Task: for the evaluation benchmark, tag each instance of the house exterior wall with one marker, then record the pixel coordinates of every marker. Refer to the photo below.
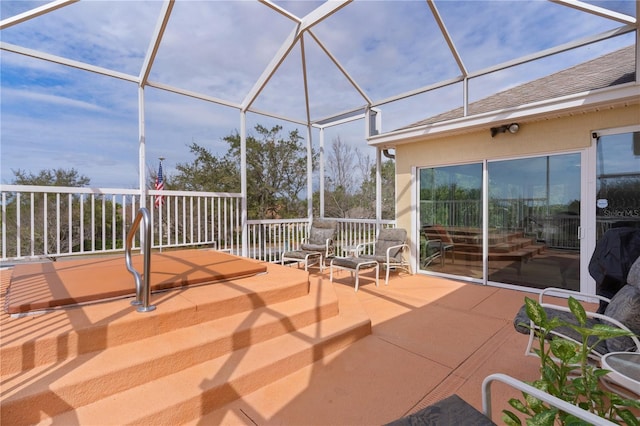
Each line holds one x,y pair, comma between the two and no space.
534,138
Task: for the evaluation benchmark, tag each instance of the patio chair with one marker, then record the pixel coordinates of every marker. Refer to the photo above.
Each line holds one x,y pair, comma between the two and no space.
438,237
388,250
622,311
318,247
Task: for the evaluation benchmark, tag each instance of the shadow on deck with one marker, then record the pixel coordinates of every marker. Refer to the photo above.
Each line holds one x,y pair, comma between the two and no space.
366,357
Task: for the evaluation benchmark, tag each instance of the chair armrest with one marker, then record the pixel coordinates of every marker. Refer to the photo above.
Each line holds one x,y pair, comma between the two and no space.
403,246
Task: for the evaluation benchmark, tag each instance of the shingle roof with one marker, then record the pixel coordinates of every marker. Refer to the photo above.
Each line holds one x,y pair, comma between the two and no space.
609,70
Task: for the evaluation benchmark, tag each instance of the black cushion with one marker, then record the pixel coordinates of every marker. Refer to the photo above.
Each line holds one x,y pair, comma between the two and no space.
625,307
522,318
453,411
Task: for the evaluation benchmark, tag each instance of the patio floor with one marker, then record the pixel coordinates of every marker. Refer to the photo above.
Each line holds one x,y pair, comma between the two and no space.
431,338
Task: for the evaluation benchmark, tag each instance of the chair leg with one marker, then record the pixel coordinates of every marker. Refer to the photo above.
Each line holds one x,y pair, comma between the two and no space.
386,278
357,278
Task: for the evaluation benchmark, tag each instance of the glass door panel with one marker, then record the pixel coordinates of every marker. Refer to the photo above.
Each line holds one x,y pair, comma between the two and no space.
534,217
617,181
450,219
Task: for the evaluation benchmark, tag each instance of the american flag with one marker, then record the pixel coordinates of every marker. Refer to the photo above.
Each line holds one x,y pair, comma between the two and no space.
159,187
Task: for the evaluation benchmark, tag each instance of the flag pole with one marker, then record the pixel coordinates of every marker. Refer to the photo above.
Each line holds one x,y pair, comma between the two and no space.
159,200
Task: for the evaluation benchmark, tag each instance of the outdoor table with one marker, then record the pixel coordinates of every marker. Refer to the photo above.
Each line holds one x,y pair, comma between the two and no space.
624,369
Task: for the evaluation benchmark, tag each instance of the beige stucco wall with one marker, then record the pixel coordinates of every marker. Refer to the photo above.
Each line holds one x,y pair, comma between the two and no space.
540,137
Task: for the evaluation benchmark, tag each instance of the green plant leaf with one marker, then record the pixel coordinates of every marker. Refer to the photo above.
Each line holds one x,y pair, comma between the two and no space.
628,417
584,405
549,374
510,419
606,331
618,400
574,421
535,312
599,372
564,350
519,405
544,418
534,403
566,372
577,310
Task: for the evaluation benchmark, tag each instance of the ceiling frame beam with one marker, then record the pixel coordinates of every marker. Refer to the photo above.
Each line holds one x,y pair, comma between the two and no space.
518,61
314,17
281,11
68,62
156,39
597,10
34,13
447,37
554,50
305,79
341,68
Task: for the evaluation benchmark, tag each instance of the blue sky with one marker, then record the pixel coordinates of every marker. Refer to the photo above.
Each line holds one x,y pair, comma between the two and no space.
54,116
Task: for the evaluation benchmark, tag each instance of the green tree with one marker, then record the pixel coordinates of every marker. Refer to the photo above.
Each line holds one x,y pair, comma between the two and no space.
52,177
276,172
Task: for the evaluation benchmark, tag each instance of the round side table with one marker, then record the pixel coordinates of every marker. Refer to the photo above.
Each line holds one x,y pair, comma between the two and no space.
624,369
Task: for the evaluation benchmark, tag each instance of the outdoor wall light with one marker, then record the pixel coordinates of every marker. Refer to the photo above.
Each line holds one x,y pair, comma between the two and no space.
512,128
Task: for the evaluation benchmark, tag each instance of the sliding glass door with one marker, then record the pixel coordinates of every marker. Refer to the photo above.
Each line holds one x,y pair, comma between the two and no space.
450,220
534,220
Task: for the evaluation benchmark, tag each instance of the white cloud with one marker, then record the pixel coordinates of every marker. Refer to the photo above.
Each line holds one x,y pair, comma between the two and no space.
50,100
55,116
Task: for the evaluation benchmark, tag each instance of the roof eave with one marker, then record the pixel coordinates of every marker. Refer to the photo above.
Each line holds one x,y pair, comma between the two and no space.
622,94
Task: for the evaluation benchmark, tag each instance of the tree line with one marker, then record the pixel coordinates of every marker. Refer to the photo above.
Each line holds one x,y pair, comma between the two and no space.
276,184
277,176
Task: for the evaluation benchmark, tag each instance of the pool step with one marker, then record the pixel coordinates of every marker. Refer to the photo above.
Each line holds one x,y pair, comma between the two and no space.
61,334
198,359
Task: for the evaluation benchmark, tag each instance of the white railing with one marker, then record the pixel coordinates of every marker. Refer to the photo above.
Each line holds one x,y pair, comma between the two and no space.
51,222
269,238
200,219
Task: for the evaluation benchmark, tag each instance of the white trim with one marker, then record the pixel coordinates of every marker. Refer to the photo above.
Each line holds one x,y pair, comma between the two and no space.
587,216
616,130
628,93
